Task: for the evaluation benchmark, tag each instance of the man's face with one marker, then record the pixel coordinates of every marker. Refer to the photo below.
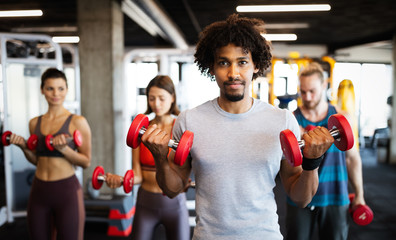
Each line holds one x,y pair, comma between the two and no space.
233,69
311,90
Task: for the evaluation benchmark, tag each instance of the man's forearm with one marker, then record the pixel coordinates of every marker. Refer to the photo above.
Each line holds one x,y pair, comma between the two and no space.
305,187
170,181
355,176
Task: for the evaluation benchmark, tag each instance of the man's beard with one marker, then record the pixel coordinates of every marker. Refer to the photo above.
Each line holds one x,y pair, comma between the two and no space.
234,98
312,105
237,96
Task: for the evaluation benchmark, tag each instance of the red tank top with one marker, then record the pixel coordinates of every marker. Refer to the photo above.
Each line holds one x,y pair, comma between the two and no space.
146,158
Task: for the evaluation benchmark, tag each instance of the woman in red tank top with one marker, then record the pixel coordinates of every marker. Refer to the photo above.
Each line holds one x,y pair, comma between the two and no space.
152,207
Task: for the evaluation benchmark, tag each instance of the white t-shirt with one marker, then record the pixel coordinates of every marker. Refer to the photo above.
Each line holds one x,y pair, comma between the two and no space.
235,159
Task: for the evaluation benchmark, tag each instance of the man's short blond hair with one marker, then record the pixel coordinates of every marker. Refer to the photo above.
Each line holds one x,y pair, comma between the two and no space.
311,69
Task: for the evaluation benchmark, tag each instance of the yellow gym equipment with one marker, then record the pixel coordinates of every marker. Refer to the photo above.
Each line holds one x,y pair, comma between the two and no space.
346,102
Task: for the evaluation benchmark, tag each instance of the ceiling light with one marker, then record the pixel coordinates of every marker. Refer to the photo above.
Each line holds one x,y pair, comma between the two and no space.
21,13
284,8
286,25
66,39
280,37
46,29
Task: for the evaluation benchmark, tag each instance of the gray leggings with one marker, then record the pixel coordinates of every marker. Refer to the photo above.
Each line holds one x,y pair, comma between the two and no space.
331,221
153,209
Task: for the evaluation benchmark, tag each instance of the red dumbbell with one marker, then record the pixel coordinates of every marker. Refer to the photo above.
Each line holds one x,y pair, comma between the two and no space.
98,177
339,128
361,214
310,127
138,128
31,142
77,138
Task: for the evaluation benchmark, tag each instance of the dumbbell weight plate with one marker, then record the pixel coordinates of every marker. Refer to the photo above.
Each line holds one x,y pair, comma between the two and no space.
32,142
290,147
48,139
4,139
77,138
362,215
128,181
99,171
184,147
346,139
133,139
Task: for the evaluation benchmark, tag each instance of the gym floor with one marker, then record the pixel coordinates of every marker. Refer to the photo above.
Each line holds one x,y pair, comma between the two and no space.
379,188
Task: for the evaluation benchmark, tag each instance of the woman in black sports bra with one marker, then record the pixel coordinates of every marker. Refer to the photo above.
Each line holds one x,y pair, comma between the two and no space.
56,203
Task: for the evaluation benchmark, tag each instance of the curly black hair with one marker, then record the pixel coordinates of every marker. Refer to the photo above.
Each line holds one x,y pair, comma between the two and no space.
240,31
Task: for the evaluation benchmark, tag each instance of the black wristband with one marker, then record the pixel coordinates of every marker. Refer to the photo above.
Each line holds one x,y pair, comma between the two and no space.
311,164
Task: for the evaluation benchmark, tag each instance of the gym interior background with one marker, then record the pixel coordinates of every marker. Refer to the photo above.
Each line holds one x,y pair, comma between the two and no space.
123,44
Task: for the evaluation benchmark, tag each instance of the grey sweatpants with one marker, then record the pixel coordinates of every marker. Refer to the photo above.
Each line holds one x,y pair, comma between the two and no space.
331,221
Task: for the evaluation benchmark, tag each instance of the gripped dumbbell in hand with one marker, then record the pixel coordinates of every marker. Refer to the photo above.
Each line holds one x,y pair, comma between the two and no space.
339,128
138,128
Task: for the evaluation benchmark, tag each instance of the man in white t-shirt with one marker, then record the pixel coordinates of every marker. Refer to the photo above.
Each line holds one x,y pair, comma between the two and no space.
236,152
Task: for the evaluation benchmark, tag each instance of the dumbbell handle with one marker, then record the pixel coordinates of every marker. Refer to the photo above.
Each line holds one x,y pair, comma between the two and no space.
335,133
172,143
68,139
103,178
8,138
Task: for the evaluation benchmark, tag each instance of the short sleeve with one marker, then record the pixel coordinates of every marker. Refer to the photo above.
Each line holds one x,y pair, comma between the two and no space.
292,124
179,126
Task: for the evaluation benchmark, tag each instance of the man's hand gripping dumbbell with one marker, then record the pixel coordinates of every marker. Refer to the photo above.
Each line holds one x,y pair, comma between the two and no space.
139,127
316,142
360,213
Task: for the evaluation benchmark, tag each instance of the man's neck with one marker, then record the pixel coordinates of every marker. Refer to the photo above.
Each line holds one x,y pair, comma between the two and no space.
316,114
237,107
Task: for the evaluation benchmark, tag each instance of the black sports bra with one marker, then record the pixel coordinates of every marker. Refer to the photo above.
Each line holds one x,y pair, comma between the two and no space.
41,149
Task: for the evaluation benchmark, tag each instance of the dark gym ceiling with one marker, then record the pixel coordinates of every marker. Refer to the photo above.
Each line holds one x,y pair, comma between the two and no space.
348,23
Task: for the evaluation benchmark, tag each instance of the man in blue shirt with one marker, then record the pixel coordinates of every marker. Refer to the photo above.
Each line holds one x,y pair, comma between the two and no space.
328,209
